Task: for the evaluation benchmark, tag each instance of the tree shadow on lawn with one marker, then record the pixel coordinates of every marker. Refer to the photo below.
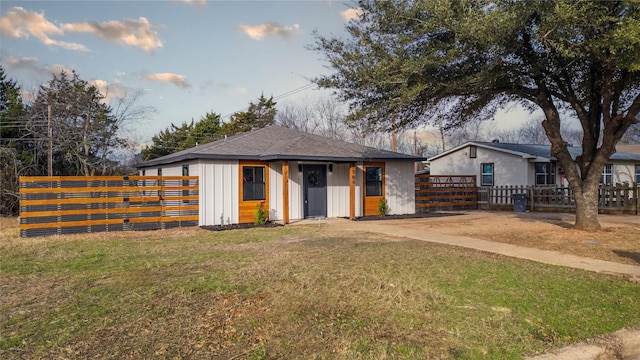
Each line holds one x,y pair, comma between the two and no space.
563,220
407,216
629,255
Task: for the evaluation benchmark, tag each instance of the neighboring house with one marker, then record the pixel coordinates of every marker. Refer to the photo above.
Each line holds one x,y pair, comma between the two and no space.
296,175
497,164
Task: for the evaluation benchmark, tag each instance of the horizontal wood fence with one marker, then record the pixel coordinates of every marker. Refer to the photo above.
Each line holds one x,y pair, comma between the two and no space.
78,204
445,192
613,199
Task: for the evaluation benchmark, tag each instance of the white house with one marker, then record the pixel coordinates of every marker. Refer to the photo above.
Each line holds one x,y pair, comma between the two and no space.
496,164
296,175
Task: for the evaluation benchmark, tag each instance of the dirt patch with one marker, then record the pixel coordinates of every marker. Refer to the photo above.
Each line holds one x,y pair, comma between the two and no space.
618,241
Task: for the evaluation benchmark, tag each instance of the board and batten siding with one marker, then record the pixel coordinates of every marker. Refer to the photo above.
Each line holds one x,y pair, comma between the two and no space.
338,191
276,206
218,192
400,187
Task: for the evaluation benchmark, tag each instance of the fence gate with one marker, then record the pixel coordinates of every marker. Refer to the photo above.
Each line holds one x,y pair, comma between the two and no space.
446,192
78,204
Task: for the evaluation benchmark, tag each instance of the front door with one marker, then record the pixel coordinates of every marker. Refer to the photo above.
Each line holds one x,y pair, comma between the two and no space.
374,188
315,190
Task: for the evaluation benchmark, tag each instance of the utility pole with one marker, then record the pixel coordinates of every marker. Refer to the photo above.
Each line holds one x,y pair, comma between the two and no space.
393,136
50,150
393,139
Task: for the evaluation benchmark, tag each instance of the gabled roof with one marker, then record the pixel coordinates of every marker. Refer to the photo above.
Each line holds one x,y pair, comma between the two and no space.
533,152
275,143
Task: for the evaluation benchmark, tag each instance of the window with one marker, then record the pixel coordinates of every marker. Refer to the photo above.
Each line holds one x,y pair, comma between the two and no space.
185,172
545,173
487,175
144,172
159,171
253,183
473,151
638,174
606,178
373,181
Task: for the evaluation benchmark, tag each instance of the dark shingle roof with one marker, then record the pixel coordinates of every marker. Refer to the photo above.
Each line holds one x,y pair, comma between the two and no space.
275,143
541,151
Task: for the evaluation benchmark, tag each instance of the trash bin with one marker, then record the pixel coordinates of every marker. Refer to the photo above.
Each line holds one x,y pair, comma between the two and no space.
519,202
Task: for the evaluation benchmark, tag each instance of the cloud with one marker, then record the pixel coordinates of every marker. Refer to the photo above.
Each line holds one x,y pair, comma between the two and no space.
111,91
240,90
194,2
258,32
20,23
32,65
175,79
351,14
139,33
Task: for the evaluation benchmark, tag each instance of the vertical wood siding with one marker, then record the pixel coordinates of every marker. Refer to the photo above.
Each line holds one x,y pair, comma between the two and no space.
218,192
275,191
296,205
400,187
338,191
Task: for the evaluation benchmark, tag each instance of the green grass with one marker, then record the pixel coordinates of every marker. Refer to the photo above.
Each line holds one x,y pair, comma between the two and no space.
292,292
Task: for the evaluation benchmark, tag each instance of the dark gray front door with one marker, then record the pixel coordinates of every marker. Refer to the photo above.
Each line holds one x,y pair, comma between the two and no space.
315,190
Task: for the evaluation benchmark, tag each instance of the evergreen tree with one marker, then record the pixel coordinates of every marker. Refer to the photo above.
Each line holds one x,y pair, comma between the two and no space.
257,116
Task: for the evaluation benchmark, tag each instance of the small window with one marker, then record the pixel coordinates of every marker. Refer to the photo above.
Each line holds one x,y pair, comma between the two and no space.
607,175
637,174
545,173
159,171
144,172
473,151
185,172
373,181
253,183
487,175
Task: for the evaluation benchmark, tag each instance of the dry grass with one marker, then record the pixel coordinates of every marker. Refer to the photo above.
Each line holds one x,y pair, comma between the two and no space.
619,241
292,292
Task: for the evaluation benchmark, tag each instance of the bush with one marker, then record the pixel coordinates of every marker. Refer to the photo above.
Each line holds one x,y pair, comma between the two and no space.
383,207
261,214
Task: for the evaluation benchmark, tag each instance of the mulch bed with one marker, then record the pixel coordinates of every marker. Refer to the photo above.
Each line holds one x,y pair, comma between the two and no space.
364,218
238,226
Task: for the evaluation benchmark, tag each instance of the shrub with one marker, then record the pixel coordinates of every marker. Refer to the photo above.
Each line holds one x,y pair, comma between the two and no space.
261,214
383,207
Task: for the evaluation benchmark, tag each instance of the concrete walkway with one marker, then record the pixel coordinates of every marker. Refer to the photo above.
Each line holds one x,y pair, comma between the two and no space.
544,256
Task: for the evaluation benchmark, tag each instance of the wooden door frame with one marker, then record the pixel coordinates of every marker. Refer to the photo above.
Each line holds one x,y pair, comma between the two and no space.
247,208
364,187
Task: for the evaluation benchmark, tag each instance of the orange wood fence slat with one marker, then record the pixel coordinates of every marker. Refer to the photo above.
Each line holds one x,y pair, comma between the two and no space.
445,191
56,202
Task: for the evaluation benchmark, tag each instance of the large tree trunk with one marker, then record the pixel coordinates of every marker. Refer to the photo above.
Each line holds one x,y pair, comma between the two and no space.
587,200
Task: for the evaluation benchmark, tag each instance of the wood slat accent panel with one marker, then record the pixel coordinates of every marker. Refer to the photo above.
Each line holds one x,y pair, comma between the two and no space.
76,204
445,192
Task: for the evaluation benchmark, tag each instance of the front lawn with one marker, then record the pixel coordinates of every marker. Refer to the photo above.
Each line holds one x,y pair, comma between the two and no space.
291,292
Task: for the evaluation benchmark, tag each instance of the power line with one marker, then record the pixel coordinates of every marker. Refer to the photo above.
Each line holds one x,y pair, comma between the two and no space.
278,97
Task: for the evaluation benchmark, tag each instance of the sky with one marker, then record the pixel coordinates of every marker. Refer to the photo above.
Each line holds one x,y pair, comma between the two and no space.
185,57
